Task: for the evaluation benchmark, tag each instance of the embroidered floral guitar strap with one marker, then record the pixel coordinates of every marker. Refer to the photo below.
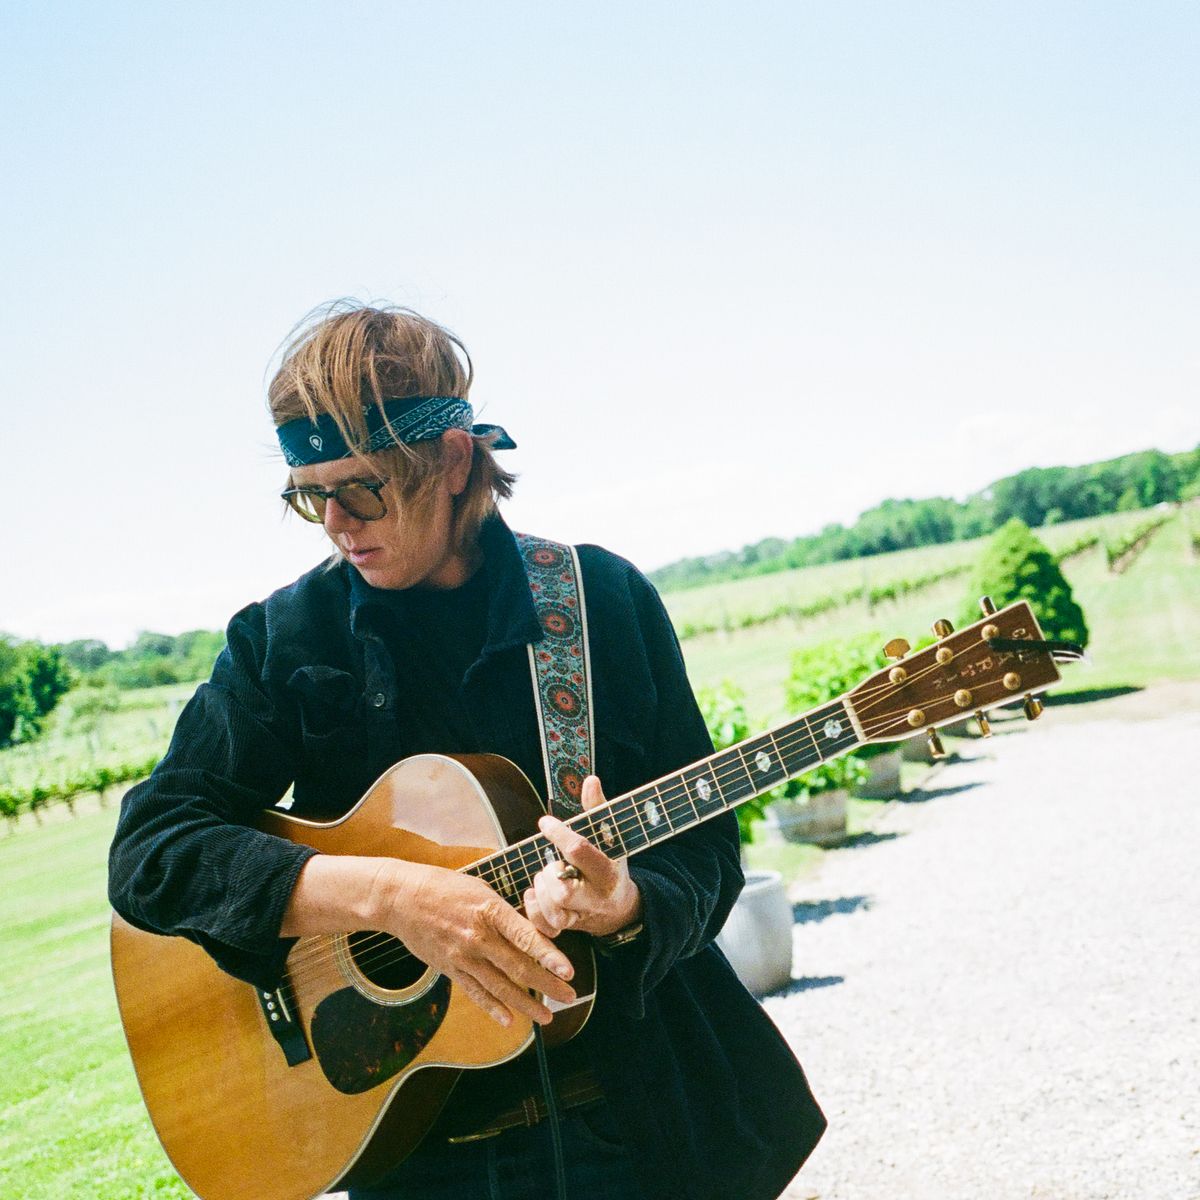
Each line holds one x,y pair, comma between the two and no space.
562,674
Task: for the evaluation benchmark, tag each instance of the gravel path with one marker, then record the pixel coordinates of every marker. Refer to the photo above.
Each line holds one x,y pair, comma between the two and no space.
998,992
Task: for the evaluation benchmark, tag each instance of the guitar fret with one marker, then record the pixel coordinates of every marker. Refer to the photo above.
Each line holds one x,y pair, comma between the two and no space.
703,789
634,832
737,785
677,799
655,812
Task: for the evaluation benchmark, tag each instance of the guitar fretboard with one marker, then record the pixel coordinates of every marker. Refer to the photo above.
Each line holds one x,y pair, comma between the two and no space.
651,814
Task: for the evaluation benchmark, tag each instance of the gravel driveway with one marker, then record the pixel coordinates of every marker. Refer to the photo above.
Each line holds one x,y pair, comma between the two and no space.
997,992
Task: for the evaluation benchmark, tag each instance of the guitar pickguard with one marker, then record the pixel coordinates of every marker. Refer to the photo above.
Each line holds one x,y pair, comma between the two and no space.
361,1044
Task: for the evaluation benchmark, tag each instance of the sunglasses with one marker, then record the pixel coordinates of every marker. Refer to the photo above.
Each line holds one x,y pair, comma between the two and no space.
360,499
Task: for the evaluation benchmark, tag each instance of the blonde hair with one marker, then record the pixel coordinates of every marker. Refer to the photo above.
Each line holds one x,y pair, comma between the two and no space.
345,355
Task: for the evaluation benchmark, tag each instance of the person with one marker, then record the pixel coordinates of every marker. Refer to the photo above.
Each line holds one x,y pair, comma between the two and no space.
413,637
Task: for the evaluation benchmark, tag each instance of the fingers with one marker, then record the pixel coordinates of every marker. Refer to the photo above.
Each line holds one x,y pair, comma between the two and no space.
594,865
499,977
593,793
529,958
551,919
462,928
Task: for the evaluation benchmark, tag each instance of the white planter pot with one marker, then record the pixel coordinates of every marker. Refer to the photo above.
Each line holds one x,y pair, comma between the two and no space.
883,782
820,819
757,938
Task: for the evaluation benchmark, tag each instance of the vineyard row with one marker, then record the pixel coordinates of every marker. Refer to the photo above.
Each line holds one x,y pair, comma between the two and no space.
878,594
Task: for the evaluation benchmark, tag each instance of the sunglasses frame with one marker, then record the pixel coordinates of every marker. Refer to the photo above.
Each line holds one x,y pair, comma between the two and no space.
292,497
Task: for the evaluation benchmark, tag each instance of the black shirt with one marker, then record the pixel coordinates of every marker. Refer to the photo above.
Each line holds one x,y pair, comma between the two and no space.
314,690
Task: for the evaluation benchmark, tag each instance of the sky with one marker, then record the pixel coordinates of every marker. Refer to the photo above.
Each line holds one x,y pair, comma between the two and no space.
726,271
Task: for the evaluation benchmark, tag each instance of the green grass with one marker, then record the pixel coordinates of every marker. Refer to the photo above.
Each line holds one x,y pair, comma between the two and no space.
74,1125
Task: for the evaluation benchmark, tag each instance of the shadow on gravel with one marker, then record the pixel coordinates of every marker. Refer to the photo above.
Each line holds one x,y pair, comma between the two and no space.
921,795
808,983
1087,695
867,838
806,912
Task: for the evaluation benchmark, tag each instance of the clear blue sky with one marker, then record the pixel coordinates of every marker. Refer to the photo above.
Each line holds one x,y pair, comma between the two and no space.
726,271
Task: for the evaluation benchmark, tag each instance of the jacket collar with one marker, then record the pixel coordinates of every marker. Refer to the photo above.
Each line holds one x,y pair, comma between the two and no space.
512,617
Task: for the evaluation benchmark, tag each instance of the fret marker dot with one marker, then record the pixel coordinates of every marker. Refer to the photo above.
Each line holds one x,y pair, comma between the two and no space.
608,834
652,813
762,760
703,789
833,727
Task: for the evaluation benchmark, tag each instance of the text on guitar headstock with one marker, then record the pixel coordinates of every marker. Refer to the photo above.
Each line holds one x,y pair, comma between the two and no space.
959,675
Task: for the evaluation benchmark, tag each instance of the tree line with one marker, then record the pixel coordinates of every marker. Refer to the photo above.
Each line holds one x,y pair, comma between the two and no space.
1037,496
34,677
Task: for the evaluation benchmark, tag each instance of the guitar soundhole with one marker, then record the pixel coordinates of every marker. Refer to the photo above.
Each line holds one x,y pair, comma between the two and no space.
384,960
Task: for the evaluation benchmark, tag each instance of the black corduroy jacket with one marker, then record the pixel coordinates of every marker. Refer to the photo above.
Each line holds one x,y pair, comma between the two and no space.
322,687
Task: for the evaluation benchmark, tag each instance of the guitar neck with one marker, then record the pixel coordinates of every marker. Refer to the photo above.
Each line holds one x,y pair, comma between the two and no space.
651,814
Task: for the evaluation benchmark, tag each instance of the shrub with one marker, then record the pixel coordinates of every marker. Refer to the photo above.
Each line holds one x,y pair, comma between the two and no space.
724,713
819,674
11,804
1016,566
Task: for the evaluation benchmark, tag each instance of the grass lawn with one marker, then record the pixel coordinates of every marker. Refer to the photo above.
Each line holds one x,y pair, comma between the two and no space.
74,1125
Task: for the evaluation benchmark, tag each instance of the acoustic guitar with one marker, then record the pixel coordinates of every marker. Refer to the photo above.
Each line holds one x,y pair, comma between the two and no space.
332,1077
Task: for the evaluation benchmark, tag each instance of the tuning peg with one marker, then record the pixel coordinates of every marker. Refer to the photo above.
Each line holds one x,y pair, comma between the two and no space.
936,749
986,605
896,648
943,628
985,727
1033,708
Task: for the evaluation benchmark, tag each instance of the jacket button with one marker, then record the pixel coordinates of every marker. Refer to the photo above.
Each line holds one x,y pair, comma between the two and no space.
379,699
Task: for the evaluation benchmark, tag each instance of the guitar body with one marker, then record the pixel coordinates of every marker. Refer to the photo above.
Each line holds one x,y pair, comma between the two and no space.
384,1038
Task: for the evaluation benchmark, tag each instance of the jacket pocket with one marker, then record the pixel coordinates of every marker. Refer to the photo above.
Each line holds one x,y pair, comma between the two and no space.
333,771
327,699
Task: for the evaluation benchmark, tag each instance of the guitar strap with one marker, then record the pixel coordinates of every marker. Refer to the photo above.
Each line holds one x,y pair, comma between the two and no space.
561,669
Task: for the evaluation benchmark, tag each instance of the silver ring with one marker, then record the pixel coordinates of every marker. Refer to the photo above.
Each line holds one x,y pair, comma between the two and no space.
569,871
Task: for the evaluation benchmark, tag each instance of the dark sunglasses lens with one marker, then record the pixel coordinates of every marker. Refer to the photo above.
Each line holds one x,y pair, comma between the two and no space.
361,502
311,507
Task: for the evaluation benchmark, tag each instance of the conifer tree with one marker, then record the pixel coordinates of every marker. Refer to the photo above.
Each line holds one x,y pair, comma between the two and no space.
1016,566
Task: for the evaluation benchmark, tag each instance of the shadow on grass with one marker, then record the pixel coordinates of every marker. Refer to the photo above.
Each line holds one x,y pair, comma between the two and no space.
1087,695
809,983
805,912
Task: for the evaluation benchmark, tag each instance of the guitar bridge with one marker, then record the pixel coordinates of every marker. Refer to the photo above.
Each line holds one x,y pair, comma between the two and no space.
278,1007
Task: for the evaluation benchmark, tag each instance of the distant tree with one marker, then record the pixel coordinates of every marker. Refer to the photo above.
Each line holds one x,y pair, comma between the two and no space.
32,679
86,654
1016,566
47,676
152,645
1130,500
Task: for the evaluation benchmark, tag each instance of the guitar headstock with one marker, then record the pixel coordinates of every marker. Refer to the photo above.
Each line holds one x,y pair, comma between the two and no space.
960,675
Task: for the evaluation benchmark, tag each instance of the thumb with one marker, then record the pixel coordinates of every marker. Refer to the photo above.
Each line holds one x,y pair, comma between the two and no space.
593,794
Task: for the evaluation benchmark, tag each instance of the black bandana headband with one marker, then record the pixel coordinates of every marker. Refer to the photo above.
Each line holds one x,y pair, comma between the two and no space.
407,419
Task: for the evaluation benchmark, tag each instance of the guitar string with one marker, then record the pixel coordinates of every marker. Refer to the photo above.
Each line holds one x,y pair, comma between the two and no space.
669,796
673,794
735,763
386,950
621,811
